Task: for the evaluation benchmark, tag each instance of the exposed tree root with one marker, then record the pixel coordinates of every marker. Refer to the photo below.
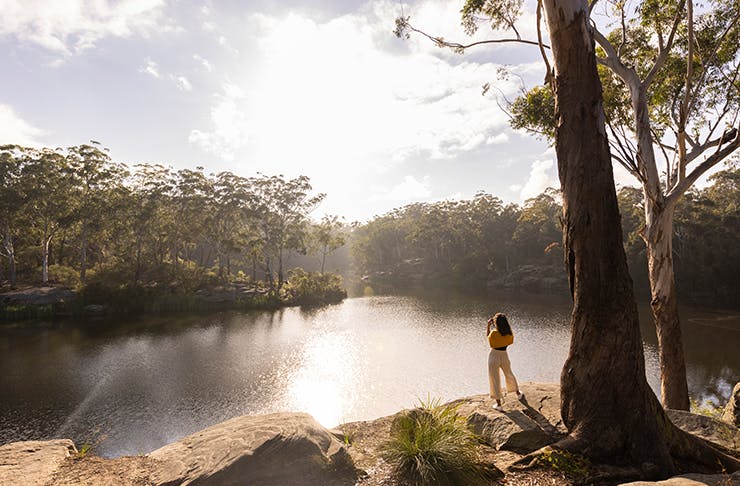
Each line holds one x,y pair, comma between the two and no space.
689,454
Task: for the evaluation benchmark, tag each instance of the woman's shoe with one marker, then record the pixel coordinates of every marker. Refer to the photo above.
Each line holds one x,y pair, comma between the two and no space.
520,395
498,408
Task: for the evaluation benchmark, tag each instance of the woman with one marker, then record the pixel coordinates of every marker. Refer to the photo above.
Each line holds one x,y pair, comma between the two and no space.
498,360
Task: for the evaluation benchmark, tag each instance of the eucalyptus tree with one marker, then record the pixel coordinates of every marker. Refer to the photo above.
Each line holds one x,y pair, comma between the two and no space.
607,406
327,236
47,185
94,176
228,212
149,213
671,83
538,226
11,196
281,209
192,196
672,87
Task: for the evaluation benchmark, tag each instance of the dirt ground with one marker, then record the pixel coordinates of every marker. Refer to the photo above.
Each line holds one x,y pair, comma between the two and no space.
95,471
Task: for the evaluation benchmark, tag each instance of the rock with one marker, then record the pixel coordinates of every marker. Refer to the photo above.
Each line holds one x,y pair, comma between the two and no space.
707,428
37,296
274,449
32,463
93,310
524,426
731,415
693,480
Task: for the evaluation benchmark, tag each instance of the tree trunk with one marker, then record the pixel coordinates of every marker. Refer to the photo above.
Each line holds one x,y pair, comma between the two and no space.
609,409
280,270
10,252
45,242
658,235
137,272
83,252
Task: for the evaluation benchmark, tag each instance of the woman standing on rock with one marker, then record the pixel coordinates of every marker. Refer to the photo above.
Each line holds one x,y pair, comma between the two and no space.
498,360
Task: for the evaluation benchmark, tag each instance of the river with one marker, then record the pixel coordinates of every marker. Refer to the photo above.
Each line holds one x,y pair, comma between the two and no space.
130,386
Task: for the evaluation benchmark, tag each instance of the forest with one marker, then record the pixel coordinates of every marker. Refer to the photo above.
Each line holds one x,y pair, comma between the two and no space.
482,242
73,217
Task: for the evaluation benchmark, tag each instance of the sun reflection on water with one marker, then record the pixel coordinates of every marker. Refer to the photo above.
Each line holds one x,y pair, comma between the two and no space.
323,382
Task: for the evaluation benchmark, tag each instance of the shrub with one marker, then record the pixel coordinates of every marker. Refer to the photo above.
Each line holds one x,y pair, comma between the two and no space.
64,276
432,444
314,288
574,466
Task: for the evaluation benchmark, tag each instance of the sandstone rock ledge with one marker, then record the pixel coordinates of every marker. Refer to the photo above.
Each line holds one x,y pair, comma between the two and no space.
293,449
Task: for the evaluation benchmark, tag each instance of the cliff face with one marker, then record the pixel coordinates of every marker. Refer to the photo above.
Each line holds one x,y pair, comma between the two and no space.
293,449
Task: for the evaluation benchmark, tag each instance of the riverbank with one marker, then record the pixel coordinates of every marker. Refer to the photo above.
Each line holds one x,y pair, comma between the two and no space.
293,449
48,302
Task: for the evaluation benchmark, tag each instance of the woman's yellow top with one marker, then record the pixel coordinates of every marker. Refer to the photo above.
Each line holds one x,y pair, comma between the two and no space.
496,340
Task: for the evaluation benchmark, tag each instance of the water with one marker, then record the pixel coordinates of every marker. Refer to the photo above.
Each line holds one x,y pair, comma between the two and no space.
132,386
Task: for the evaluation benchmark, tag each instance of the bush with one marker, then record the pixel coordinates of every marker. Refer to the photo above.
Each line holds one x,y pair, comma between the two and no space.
64,276
314,288
432,444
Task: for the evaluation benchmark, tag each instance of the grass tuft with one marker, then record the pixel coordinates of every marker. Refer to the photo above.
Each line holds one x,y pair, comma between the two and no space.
432,444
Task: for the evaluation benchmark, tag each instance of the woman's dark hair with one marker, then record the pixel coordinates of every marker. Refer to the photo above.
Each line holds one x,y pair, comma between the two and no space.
502,324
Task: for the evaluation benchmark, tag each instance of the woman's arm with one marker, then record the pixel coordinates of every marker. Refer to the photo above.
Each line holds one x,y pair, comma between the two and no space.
488,326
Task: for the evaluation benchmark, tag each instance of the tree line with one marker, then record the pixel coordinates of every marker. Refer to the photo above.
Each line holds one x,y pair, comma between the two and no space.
72,214
479,242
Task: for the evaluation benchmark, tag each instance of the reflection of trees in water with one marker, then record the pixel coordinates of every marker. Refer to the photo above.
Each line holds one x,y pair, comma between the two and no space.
711,384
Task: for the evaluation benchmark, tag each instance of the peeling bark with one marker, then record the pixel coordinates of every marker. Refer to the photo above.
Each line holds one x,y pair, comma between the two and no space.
658,235
608,407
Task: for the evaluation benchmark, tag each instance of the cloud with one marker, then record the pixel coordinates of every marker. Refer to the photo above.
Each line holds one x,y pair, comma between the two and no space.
540,178
72,26
497,139
230,129
150,68
203,62
325,92
182,82
410,189
15,130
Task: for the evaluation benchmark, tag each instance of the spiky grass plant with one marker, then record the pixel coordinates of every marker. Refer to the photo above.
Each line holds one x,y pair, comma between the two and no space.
432,444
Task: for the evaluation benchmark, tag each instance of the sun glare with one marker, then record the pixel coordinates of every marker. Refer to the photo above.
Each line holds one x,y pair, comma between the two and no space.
323,384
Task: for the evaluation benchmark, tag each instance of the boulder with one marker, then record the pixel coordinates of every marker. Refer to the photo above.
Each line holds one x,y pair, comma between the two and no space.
274,449
34,462
707,428
692,480
37,296
524,426
731,415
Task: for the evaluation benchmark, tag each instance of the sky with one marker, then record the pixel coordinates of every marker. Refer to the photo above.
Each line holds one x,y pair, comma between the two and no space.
322,89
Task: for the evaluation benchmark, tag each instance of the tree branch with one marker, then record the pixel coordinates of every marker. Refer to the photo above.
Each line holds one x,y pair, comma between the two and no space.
683,185
612,60
456,46
699,149
684,110
548,70
663,53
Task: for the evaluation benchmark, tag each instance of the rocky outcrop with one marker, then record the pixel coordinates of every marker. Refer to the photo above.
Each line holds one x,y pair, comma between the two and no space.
231,293
731,415
37,296
524,426
293,449
707,428
33,463
275,449
693,480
